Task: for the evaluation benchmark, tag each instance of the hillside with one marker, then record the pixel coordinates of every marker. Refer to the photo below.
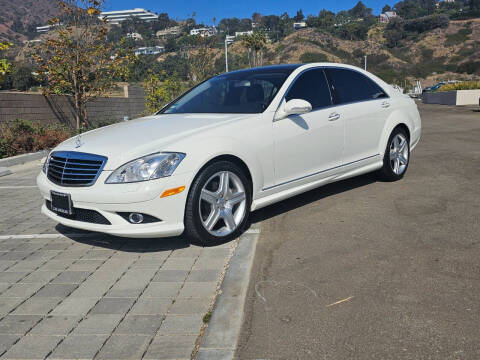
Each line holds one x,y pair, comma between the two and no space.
18,18
437,54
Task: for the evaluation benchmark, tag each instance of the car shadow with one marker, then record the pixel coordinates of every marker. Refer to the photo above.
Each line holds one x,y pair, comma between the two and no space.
311,196
179,242
123,244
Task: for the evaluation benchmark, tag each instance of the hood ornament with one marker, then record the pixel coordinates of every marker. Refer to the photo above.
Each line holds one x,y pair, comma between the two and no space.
78,141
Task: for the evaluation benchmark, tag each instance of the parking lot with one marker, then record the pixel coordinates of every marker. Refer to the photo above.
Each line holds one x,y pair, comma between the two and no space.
359,269
67,294
369,270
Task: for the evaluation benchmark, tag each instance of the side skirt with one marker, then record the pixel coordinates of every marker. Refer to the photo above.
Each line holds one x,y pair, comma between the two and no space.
292,191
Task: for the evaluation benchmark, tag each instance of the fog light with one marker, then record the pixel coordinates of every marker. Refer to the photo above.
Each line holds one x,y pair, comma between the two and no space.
135,218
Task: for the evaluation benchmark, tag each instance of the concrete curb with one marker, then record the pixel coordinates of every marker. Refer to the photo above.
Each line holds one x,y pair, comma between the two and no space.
221,335
22,159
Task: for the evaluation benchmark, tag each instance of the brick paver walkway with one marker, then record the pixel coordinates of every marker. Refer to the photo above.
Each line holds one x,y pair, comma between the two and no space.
96,296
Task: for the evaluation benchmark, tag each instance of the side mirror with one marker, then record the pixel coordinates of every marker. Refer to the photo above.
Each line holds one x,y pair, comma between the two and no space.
293,107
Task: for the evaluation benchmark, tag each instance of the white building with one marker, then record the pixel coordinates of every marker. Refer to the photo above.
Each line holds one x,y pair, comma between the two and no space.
299,25
204,32
116,17
241,33
135,36
171,31
151,50
387,16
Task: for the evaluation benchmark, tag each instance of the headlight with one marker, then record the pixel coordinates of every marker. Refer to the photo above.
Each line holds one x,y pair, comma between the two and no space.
146,168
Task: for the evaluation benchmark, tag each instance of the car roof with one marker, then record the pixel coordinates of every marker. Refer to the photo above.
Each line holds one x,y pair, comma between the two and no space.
281,67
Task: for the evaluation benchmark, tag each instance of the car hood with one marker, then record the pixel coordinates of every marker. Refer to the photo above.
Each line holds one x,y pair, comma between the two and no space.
126,141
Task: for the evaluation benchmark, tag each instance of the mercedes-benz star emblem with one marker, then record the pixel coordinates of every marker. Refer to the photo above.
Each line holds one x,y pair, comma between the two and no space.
78,141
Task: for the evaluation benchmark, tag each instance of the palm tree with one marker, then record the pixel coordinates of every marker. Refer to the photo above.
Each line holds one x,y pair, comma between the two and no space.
255,43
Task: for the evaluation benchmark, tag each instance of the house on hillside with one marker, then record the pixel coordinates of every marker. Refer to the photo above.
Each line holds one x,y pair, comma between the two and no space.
135,36
387,16
150,50
204,32
171,31
299,25
241,33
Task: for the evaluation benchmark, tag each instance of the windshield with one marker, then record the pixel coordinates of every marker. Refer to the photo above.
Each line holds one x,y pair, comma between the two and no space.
241,92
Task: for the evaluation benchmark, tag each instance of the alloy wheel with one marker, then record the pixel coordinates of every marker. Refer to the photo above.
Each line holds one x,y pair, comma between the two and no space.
223,203
399,154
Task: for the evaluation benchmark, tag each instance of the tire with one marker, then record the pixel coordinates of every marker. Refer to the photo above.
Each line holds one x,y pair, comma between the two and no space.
209,202
396,157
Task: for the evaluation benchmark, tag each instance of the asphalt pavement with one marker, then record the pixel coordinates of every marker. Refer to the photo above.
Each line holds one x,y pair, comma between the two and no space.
364,269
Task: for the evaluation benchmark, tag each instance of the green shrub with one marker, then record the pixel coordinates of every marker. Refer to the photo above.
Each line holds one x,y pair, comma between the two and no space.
469,67
23,136
464,85
311,57
427,23
459,37
466,52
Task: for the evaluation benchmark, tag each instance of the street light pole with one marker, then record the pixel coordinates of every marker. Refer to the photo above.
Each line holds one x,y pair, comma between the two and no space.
226,55
365,62
228,40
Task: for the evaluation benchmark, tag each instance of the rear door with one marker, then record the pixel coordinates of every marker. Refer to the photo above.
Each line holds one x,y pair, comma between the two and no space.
364,106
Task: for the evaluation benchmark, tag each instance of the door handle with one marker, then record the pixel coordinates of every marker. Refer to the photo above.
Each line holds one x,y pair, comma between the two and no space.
385,104
333,116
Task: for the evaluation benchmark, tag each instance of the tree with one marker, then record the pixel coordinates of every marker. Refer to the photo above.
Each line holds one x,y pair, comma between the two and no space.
76,59
4,65
202,63
22,78
17,26
386,8
411,9
257,18
474,5
255,43
158,93
299,17
326,18
395,32
312,57
360,11
427,23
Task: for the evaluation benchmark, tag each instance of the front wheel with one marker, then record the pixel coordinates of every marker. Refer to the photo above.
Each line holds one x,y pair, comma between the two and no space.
397,156
218,204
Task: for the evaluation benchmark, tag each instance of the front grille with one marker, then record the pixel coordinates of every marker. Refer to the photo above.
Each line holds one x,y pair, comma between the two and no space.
70,168
83,215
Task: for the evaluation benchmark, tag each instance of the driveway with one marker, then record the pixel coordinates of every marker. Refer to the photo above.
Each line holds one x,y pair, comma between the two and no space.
370,270
67,294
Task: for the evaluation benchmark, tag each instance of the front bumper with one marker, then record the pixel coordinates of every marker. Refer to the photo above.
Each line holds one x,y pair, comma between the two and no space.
111,199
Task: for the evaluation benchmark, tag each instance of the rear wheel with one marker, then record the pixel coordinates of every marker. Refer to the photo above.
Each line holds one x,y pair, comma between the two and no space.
397,156
218,204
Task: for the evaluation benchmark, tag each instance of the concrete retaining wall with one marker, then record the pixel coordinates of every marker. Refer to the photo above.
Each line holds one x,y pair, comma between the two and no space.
460,97
59,109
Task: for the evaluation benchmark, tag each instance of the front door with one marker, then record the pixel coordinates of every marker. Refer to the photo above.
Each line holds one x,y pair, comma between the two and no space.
310,143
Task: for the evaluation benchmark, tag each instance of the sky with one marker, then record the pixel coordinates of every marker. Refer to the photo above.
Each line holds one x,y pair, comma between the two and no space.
206,10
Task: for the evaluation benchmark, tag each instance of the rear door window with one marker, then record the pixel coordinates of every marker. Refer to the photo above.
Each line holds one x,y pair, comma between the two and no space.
351,86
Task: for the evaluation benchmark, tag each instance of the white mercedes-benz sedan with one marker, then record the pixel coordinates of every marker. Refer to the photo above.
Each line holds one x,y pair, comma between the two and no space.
233,144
